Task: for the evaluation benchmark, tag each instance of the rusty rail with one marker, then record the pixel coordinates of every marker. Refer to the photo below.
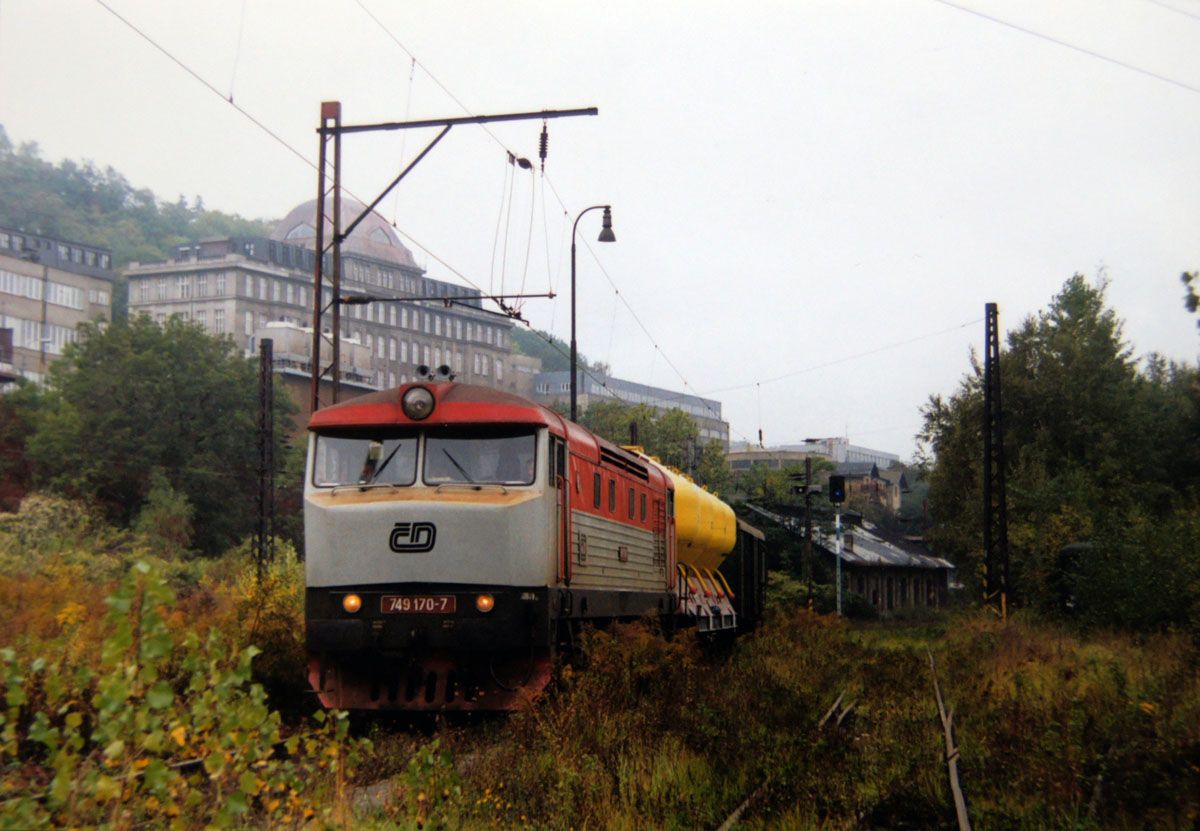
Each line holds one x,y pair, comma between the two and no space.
960,803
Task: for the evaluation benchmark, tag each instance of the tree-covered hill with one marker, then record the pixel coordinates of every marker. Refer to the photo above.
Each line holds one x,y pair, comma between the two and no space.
81,202
554,354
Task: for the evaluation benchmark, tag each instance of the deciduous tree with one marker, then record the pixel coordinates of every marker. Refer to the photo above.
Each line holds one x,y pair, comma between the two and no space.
1095,443
135,397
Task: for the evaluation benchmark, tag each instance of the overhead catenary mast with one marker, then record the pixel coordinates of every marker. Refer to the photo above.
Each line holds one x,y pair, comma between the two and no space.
331,132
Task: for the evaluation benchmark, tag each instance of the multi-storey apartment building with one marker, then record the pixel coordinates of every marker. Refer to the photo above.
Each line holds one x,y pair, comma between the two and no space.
238,286
48,287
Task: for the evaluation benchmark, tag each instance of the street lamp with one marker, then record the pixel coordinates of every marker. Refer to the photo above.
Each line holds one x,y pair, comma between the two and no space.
606,235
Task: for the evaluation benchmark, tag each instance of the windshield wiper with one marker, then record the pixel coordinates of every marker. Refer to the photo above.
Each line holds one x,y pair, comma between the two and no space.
384,464
461,469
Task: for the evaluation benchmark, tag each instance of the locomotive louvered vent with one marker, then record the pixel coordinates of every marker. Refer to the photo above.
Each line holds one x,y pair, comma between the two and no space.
623,462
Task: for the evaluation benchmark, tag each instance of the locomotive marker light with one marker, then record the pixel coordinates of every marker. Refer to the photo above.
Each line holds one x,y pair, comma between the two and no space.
485,603
417,403
606,235
351,603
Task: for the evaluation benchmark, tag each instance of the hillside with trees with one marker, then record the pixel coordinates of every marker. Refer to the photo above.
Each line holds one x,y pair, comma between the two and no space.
553,352
82,202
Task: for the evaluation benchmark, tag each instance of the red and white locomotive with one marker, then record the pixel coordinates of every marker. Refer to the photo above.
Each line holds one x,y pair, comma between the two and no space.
457,536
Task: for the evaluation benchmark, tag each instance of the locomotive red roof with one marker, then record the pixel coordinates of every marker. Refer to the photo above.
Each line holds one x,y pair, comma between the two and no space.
455,403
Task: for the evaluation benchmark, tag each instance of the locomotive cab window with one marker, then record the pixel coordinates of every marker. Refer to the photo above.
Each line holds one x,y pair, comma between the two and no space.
494,457
378,458
558,461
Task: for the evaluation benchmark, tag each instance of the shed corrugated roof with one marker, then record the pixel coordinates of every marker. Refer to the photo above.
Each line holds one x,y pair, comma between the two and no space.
869,549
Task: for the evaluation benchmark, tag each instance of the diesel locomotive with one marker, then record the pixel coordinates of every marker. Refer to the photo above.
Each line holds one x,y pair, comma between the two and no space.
457,537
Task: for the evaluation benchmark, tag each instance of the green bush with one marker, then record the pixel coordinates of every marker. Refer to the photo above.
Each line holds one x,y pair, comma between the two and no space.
160,733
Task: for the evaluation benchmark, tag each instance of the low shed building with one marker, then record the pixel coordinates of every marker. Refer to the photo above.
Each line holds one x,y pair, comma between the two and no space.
888,576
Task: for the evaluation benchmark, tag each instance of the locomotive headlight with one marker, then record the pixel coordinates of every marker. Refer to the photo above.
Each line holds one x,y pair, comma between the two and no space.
485,603
352,603
417,403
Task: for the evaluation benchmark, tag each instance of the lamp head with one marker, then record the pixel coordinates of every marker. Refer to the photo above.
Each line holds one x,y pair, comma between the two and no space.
606,231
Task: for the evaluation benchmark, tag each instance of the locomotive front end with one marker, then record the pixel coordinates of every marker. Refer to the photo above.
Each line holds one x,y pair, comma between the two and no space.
428,522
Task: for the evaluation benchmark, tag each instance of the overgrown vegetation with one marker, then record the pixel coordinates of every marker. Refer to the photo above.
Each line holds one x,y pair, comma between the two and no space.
1054,732
177,702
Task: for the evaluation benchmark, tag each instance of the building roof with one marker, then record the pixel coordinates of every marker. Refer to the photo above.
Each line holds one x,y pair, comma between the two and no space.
373,237
857,469
55,252
632,392
867,549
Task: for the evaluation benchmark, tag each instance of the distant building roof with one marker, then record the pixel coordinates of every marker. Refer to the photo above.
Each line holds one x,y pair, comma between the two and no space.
632,392
858,469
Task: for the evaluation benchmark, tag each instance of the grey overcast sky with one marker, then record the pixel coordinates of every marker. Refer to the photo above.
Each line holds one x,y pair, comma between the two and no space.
813,200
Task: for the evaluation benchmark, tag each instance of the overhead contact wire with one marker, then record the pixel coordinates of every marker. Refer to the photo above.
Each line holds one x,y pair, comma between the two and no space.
283,142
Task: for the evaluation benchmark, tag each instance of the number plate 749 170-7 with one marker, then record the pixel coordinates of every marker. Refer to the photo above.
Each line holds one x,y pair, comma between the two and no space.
418,604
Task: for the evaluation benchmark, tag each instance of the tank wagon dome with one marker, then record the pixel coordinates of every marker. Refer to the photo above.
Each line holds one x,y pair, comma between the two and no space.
374,237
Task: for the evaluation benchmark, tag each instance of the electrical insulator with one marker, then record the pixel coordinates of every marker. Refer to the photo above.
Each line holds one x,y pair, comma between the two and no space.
543,144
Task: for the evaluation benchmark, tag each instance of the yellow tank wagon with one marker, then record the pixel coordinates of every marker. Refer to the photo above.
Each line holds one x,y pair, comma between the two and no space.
705,527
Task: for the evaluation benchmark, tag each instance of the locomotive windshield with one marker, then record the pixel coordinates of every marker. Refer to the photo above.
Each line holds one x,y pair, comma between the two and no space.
365,460
494,458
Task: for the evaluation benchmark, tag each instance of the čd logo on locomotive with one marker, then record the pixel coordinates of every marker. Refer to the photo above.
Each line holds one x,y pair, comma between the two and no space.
412,537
